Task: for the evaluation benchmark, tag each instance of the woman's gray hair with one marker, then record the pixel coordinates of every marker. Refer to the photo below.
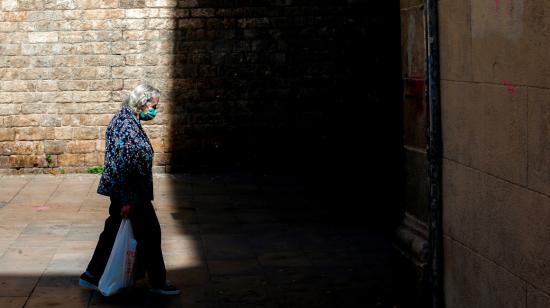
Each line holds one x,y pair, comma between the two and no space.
140,95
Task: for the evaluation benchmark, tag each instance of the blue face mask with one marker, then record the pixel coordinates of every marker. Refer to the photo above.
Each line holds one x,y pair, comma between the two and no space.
149,115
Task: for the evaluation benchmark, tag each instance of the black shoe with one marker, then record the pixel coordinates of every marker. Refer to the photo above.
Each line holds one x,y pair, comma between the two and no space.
168,289
88,281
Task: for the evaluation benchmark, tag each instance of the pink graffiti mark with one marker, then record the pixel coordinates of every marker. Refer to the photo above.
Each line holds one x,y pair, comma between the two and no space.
497,3
509,87
41,208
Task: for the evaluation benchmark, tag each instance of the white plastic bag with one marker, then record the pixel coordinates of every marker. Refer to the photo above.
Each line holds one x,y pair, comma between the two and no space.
119,270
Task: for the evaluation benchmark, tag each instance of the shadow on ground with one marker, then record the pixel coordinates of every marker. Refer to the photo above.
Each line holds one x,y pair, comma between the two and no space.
272,243
228,242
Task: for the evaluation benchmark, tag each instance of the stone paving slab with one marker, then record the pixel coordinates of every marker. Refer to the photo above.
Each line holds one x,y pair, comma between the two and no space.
227,242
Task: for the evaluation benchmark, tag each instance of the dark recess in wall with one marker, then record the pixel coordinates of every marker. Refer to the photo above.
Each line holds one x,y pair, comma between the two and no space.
310,89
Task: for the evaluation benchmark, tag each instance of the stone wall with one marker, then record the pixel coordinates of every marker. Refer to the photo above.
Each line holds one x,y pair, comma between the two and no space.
495,114
412,233
264,86
413,55
63,71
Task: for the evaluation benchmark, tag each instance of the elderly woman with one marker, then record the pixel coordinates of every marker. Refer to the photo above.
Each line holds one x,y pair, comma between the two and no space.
128,180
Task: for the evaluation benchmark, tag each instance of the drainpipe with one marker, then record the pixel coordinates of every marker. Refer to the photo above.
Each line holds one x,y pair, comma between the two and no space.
435,146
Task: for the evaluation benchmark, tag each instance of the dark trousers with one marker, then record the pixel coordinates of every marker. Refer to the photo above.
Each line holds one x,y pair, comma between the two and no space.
146,229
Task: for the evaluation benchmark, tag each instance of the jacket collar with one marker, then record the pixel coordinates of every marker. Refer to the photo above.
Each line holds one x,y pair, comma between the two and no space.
126,112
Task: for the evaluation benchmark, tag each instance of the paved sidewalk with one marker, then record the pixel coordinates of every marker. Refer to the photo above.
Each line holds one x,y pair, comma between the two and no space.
226,243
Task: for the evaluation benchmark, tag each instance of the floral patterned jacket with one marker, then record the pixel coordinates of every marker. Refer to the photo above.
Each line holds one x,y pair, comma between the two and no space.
127,174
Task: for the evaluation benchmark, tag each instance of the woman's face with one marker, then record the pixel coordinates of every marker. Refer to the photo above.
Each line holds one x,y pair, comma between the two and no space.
153,104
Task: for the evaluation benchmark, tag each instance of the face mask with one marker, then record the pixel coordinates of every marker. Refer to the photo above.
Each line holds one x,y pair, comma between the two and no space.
149,115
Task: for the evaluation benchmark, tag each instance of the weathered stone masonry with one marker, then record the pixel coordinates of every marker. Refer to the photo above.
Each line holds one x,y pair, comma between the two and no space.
494,112
245,83
64,67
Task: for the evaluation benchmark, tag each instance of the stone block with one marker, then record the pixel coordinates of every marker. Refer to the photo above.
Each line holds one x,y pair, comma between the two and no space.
161,3
96,119
66,159
412,43
9,5
28,161
539,132
104,14
405,4
414,114
43,37
73,85
537,298
473,281
499,42
132,3
485,127
97,4
80,146
503,222
28,147
87,133
455,30
63,133
29,133
54,146
188,3
416,184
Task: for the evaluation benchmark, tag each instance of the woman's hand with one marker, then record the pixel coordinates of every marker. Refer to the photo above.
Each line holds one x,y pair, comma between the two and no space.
125,210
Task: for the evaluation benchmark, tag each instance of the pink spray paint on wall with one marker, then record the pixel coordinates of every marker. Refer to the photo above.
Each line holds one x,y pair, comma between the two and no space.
509,87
